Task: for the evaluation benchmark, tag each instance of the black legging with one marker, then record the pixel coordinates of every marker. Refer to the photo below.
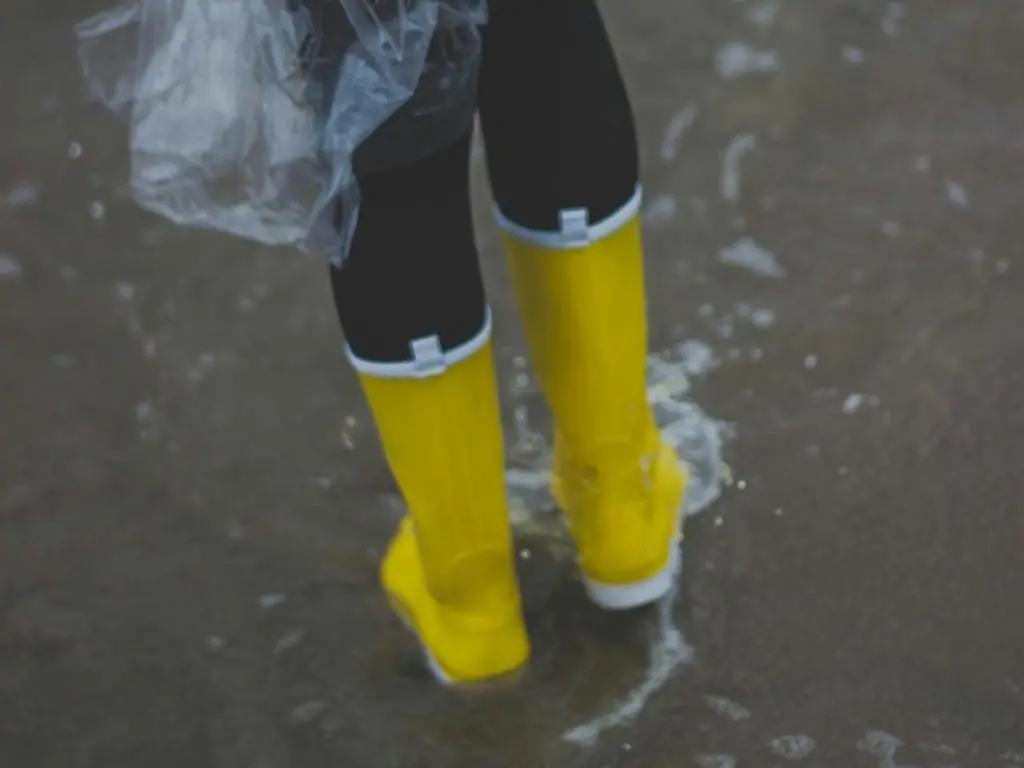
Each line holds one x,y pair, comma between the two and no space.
559,134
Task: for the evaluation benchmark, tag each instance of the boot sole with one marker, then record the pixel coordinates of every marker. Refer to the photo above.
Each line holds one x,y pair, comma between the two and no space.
499,681
624,597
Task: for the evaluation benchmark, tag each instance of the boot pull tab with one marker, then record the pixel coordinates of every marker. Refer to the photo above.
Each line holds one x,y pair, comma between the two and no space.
574,224
427,355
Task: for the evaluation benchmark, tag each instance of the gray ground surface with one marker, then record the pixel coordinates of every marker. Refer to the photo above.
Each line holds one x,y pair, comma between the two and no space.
171,403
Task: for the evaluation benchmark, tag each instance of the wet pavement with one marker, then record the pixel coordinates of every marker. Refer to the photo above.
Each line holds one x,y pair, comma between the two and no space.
192,503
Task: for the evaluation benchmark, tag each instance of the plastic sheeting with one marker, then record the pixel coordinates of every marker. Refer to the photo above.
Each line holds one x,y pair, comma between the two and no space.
253,117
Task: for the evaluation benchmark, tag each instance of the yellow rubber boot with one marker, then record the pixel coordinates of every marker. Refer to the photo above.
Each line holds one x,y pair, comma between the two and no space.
620,486
450,570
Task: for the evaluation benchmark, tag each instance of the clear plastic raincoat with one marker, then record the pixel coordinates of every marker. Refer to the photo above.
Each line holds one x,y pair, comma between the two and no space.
254,116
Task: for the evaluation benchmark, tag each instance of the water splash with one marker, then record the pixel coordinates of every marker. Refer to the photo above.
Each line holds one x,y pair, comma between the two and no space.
853,403
745,253
728,708
852,54
22,195
308,712
698,439
10,267
732,157
271,600
676,129
289,641
736,59
894,15
763,14
668,652
793,747
761,318
660,210
883,746
957,194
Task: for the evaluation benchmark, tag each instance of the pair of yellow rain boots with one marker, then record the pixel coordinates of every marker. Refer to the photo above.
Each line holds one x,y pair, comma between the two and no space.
450,571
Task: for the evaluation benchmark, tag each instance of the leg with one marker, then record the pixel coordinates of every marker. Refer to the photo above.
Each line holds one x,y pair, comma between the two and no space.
411,303
563,160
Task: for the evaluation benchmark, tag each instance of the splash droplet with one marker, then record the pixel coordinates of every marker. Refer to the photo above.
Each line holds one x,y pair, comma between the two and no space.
10,267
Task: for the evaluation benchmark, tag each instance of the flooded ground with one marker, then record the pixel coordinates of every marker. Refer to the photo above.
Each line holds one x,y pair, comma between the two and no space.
192,501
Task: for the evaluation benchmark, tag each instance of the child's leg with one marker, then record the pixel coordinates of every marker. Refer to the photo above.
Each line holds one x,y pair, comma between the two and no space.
562,154
412,271
412,305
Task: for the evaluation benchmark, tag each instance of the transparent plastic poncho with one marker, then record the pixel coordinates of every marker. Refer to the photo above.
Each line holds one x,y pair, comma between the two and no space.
255,117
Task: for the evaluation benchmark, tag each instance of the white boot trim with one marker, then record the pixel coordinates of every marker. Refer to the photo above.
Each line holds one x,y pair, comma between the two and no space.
427,358
575,228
